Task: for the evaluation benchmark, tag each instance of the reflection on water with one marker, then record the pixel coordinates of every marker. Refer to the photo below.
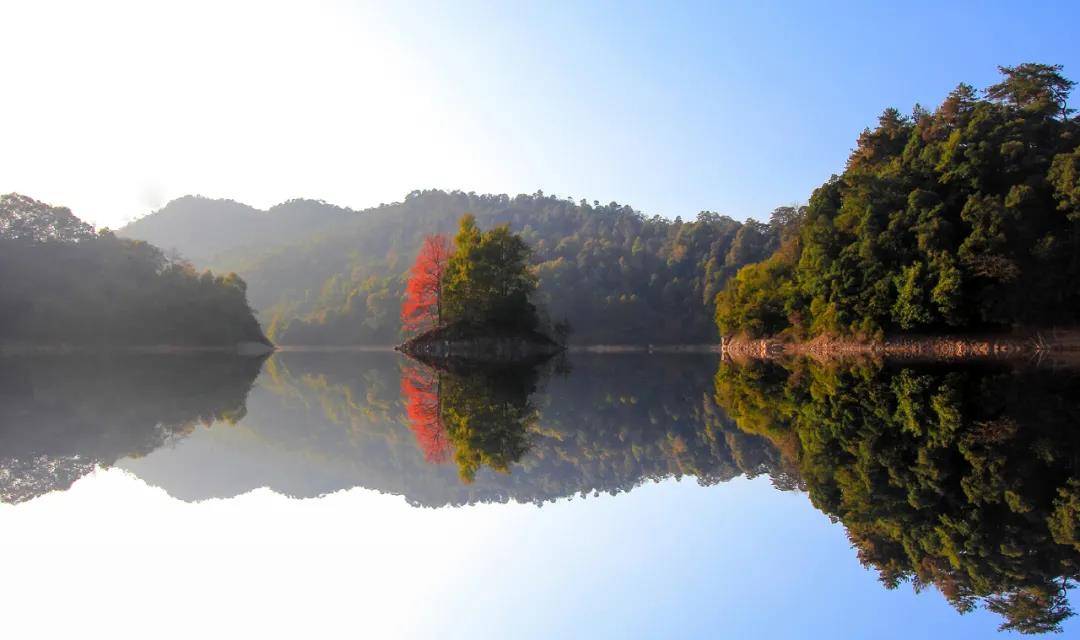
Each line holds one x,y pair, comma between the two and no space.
481,416
62,416
322,422
963,478
966,479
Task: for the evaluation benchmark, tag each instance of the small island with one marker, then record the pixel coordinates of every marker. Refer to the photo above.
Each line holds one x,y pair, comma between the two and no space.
472,301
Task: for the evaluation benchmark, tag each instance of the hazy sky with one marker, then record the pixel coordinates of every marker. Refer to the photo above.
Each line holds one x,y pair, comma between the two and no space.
113,108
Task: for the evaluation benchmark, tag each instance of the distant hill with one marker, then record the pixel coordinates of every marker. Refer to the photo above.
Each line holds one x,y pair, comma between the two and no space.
320,274
200,229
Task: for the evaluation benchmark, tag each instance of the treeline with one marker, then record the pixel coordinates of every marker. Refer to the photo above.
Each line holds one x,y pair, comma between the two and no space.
615,275
607,271
965,217
965,480
66,284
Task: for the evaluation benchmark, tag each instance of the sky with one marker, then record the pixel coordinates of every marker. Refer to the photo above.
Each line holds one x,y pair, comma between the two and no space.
667,560
115,107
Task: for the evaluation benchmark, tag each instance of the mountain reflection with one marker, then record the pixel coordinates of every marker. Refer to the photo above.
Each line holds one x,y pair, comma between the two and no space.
322,422
62,416
965,479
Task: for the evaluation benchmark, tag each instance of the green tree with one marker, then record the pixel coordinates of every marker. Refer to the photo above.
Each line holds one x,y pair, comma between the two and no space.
488,279
947,218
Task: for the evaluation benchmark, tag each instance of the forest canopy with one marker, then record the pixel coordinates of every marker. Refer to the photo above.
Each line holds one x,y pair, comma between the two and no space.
76,286
614,274
965,217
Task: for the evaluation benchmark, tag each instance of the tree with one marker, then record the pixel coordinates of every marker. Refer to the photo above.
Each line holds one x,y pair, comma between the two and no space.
423,308
1039,87
961,217
75,286
23,218
489,280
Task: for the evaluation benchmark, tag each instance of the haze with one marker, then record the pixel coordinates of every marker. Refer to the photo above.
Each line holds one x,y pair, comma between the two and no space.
114,108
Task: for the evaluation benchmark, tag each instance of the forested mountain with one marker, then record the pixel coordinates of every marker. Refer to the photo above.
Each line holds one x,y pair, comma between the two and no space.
200,229
964,217
65,284
614,274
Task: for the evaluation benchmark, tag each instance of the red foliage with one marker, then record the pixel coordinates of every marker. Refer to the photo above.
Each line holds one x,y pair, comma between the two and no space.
423,293
420,387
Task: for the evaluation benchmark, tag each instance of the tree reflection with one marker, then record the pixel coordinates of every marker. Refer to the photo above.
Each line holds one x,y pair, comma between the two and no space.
962,479
481,415
60,417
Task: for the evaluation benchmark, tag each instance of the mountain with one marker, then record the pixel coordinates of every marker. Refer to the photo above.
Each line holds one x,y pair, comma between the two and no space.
200,229
615,275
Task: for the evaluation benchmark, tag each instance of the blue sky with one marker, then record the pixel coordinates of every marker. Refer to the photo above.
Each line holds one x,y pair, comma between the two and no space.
670,107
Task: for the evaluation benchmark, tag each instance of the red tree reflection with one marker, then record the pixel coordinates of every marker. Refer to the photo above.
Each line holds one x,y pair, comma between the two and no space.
420,388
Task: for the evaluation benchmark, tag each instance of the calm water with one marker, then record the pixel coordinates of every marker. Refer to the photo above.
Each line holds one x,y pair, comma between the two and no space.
361,495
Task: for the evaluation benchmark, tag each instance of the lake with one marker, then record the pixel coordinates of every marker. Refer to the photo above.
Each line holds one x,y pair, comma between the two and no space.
358,493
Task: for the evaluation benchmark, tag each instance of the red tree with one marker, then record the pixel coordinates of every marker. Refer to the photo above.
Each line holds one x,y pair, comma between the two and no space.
423,293
420,388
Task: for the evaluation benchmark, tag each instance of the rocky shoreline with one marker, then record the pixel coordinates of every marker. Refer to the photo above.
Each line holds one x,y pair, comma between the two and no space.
480,345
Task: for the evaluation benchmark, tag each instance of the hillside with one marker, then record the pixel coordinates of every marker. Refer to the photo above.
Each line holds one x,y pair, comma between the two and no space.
200,229
614,274
69,285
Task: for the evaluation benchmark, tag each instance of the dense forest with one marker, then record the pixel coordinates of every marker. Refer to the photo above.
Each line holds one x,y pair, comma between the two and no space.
613,274
965,217
76,286
967,480
482,279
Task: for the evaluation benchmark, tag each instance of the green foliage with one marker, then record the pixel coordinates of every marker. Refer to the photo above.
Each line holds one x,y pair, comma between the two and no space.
77,287
967,216
488,280
615,275
966,480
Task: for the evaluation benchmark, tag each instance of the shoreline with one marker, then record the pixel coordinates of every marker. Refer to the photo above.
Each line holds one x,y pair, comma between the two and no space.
246,349
1001,346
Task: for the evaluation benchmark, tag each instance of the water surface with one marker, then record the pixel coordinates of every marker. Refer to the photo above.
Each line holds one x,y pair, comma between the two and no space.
622,495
